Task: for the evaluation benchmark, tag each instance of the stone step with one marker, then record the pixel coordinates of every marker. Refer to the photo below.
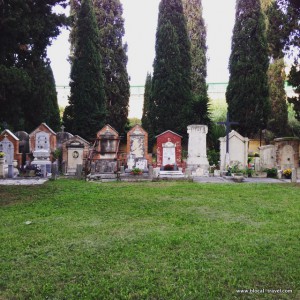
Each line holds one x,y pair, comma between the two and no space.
171,174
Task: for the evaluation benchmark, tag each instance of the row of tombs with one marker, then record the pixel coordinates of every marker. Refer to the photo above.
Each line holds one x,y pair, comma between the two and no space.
41,148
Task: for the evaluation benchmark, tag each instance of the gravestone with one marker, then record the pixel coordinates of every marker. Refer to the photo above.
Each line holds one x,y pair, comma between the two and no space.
238,153
42,144
287,153
197,159
137,148
168,149
75,151
267,157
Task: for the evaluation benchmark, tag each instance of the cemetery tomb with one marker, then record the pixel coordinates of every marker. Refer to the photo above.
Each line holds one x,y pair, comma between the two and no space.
106,150
168,149
267,157
137,148
62,136
238,151
9,144
197,158
42,143
287,153
74,152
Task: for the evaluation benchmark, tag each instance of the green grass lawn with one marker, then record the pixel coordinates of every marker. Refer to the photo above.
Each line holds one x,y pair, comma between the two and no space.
163,240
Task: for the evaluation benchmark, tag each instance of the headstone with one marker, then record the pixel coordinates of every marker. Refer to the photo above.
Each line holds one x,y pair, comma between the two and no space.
130,162
294,175
169,149
150,173
10,171
75,151
79,169
267,157
54,171
142,164
197,158
238,150
156,172
287,153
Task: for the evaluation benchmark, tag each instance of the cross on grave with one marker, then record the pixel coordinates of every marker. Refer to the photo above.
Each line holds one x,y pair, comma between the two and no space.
62,128
5,135
227,124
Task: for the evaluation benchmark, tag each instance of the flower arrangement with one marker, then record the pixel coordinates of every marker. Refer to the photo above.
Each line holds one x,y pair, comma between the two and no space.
168,167
287,173
136,171
2,154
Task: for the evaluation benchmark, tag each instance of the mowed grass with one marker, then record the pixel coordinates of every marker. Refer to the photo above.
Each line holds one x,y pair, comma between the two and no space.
163,240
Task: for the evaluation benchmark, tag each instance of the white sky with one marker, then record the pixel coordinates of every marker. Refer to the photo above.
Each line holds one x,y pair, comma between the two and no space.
140,28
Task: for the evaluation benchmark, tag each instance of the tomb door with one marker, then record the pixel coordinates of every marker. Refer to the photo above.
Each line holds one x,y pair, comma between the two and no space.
168,154
75,157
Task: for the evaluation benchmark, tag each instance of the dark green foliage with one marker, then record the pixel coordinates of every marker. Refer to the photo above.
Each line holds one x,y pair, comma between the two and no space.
26,29
146,122
278,119
247,91
294,80
171,83
86,112
197,36
15,85
42,106
114,59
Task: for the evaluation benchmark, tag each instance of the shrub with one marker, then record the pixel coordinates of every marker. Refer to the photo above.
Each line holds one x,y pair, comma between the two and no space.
136,171
2,154
271,173
213,157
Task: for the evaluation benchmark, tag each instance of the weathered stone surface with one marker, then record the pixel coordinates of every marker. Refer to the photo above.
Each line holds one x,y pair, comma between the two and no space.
197,157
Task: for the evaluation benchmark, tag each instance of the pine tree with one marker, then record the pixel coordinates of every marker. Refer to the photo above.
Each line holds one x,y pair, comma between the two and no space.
247,91
197,36
114,60
86,112
171,83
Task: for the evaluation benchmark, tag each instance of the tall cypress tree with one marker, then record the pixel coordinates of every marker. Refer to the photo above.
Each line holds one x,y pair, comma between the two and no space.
278,119
171,83
87,110
43,106
197,35
147,99
114,59
247,91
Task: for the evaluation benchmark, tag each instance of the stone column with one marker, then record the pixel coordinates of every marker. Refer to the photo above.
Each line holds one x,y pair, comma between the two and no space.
197,157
